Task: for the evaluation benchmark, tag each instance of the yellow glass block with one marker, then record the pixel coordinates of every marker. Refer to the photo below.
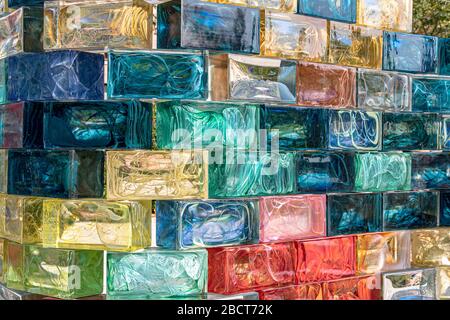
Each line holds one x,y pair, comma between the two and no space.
431,248
276,5
394,15
2,260
356,46
156,175
97,224
444,283
294,36
379,252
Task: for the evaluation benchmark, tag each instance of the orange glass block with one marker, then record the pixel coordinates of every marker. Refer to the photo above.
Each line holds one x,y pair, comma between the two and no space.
430,248
355,288
310,291
394,15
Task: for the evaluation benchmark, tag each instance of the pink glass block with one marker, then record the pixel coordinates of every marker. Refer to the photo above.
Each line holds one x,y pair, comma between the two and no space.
310,291
11,120
292,217
355,288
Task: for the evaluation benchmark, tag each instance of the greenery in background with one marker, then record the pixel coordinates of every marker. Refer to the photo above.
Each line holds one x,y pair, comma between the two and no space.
432,17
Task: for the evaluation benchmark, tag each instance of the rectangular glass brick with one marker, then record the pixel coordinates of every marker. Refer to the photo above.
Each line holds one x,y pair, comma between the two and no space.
430,248
309,291
356,46
417,284
243,268
386,14
21,3
275,5
289,218
206,223
3,171
430,170
2,260
431,94
293,36
444,56
409,52
353,288
96,224
7,294
344,10
94,24
443,283
444,214
193,24
154,273
238,296
444,133
239,77
156,74
156,175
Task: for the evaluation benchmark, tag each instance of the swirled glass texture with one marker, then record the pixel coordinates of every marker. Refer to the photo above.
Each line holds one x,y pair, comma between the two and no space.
444,56
7,294
340,10
276,5
409,285
430,170
354,288
430,248
3,171
21,3
444,215
444,283
431,94
444,138
386,14
310,291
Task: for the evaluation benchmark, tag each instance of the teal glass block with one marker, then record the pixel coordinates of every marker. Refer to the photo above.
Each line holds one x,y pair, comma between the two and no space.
410,131
21,3
351,213
210,125
410,210
155,74
445,133
379,172
339,10
444,214
444,56
430,170
431,94
206,223
156,273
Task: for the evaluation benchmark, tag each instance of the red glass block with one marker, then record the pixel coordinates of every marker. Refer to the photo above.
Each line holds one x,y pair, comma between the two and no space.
325,259
310,291
246,268
356,288
11,121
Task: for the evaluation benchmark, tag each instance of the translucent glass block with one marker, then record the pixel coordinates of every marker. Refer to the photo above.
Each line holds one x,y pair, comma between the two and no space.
155,273
20,3
444,133
383,252
354,130
379,172
354,288
58,75
238,77
289,218
431,94
254,267
353,213
430,248
3,171
417,284
193,24
444,56
156,74
54,272
326,85
310,291
21,31
239,296
409,52
293,36
96,24
383,91
410,131
156,175
344,10
410,210
97,224
357,46
2,260
444,215
444,283
206,223
7,294
430,170
327,259
325,172
209,125
386,14
265,174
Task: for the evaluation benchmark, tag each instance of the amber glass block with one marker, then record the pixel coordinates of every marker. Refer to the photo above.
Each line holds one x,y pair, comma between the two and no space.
430,248
354,288
276,5
354,45
394,15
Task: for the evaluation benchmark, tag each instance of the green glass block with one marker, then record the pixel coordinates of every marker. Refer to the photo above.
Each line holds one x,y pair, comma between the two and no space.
379,172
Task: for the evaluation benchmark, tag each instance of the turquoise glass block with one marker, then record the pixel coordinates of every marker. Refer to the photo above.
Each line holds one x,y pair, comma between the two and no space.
379,172
409,52
444,214
431,94
21,3
154,74
444,56
410,210
156,273
325,172
56,173
211,125
430,170
206,223
98,124
194,24
410,131
445,133
351,213
340,10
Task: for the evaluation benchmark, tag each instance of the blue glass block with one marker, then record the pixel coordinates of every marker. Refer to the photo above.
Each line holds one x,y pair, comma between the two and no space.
98,124
444,215
193,24
409,52
293,128
325,172
410,131
58,75
445,133
430,170
353,213
431,94
201,223
444,56
410,210
340,10
358,130
21,3
56,174
163,75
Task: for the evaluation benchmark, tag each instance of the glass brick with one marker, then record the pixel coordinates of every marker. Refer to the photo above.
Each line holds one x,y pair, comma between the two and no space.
276,5
443,283
344,10
431,94
7,294
2,260
430,170
430,248
444,214
409,285
354,288
310,291
444,56
386,14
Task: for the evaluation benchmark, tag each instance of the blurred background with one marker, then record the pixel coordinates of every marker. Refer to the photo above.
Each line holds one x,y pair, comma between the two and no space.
432,17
